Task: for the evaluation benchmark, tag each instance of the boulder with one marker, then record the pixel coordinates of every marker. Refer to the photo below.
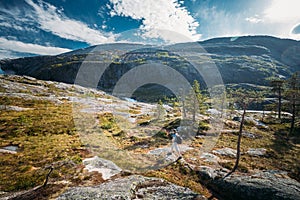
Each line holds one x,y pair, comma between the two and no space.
132,187
264,185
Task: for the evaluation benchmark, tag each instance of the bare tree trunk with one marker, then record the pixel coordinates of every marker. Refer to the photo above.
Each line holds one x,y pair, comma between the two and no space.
194,109
279,103
293,118
238,147
47,176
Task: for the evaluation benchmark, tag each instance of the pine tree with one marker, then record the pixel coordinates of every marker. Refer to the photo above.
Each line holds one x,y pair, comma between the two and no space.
293,97
195,101
182,101
160,110
277,88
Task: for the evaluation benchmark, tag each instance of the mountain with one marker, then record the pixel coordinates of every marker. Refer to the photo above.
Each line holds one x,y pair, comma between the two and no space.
247,59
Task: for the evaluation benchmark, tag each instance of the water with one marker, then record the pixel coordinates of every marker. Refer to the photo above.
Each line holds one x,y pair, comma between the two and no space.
1,71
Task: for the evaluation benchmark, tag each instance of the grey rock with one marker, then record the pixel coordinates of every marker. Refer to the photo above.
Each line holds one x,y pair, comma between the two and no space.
106,167
132,187
167,154
251,135
265,185
208,157
9,149
208,173
226,152
14,108
257,152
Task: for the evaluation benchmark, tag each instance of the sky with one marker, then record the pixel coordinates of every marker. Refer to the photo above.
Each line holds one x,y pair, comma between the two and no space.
50,27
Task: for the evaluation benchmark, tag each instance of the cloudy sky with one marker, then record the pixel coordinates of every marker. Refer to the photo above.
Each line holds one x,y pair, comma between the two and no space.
48,27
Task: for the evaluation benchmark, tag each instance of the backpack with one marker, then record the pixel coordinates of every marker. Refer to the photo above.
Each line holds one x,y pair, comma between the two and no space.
178,139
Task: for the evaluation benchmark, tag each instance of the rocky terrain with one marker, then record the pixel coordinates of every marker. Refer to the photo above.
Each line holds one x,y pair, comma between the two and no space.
132,187
96,145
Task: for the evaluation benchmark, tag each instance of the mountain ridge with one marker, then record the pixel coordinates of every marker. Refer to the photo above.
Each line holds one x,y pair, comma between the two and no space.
247,59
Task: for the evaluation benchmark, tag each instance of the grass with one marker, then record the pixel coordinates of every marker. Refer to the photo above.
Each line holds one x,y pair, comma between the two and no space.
48,135
45,135
282,154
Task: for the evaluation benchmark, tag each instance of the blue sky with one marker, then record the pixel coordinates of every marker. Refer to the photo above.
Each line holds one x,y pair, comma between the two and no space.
42,27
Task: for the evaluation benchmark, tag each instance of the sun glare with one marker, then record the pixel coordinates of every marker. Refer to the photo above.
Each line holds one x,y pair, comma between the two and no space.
281,11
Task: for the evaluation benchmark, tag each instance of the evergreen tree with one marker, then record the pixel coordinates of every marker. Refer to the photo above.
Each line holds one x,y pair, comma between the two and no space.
195,101
160,110
277,88
293,97
182,101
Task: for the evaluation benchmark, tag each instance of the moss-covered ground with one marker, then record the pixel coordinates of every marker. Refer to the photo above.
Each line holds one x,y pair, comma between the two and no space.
46,135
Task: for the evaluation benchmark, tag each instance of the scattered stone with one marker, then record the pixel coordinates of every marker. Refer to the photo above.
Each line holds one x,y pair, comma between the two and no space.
182,147
214,112
207,173
208,157
9,149
106,167
251,135
257,152
261,125
166,151
13,108
226,152
132,187
230,131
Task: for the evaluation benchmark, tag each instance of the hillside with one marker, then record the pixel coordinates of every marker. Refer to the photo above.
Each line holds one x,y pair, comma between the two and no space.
249,59
97,144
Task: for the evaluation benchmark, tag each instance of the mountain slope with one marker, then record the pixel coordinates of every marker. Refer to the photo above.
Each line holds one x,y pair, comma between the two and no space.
249,59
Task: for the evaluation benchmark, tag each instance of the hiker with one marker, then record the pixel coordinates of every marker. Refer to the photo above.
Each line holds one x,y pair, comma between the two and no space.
175,140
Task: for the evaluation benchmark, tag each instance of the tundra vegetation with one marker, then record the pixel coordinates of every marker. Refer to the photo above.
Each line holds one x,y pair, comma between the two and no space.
37,118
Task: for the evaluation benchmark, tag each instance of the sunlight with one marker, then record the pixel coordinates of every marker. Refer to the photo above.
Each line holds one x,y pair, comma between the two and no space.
283,11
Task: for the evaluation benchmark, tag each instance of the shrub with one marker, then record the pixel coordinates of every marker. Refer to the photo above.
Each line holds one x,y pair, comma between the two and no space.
162,134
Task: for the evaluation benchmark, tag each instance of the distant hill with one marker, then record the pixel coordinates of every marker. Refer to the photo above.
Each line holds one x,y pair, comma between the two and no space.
247,59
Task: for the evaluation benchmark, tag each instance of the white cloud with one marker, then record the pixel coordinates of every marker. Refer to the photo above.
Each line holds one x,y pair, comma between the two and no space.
273,19
15,26
254,20
283,11
220,23
51,19
283,16
18,46
164,19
